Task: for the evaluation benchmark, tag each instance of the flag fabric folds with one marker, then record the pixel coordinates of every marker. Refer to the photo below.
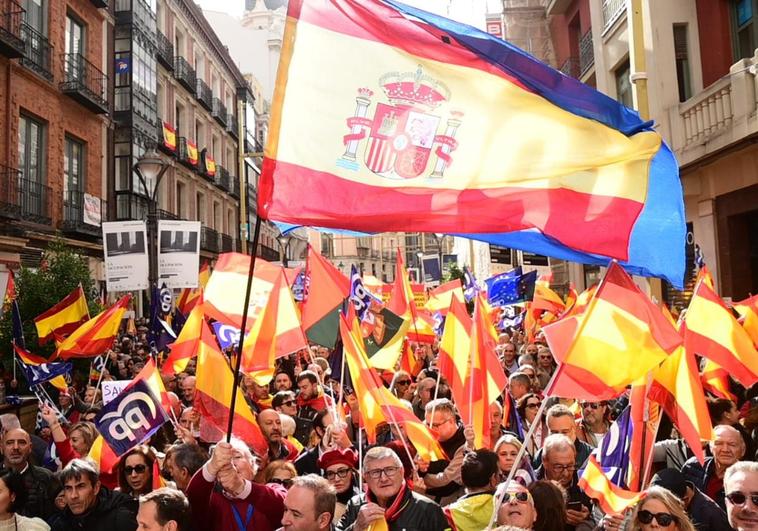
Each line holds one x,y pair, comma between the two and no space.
102,455
64,317
440,297
615,449
748,310
676,387
712,331
619,338
455,352
187,342
511,287
96,335
586,179
327,290
715,380
595,484
213,389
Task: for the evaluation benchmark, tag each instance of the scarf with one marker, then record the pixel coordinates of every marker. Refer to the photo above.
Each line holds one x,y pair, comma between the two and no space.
392,512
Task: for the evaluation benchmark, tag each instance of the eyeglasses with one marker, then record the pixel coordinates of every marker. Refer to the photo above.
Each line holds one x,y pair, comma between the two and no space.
342,473
388,471
663,519
563,468
289,403
594,405
534,405
436,425
139,469
286,483
740,498
520,497
403,382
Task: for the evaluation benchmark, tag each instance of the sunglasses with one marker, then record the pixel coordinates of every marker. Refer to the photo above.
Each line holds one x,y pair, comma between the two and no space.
739,498
342,473
594,405
286,483
520,497
139,469
534,405
663,519
289,403
403,382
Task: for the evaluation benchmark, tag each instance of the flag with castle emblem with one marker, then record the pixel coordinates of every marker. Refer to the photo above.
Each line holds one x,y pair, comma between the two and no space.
389,118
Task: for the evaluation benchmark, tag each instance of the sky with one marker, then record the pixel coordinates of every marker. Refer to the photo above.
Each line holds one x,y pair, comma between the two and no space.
467,11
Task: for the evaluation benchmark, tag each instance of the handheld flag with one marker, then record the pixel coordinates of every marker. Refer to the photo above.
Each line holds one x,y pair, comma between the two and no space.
440,297
511,287
103,455
63,318
187,343
748,310
615,448
470,287
612,499
327,289
715,380
96,335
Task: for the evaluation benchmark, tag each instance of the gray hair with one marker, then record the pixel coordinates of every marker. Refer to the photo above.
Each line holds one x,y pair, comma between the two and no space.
745,467
557,443
558,410
441,404
381,452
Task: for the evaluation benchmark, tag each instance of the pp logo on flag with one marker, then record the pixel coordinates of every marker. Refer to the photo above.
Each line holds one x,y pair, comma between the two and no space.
227,335
130,418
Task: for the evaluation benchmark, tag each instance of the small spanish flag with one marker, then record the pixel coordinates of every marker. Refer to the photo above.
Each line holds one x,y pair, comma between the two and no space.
210,165
169,137
192,152
612,499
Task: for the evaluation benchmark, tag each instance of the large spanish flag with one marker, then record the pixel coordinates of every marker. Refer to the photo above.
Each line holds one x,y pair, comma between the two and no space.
64,317
748,310
96,335
441,296
396,119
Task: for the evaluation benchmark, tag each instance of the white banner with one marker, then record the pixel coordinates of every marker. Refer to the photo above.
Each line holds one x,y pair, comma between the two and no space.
126,260
91,211
112,388
178,253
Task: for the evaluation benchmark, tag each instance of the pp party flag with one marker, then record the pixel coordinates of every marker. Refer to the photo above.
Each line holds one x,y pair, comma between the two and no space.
152,378
46,372
327,289
226,335
361,298
213,391
275,333
712,331
64,317
102,455
96,335
612,499
748,310
510,287
28,360
440,297
715,380
187,343
620,337
585,177
676,387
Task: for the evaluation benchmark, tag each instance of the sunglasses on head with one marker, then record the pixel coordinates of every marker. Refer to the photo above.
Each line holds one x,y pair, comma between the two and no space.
663,519
594,405
139,469
521,497
286,483
740,498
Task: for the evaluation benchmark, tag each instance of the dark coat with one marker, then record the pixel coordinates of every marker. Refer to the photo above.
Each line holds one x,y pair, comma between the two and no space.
419,513
706,515
699,475
41,487
113,511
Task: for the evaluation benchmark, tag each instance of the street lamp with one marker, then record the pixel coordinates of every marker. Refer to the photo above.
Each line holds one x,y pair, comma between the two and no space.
420,257
284,243
439,237
150,168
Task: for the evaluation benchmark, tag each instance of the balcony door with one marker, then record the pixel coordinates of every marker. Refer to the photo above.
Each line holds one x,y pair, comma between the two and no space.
31,163
73,176
75,44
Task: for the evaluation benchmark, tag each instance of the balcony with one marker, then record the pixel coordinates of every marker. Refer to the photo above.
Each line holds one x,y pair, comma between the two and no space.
586,53
165,214
234,186
267,253
219,112
130,206
85,83
221,179
182,153
570,67
204,94
10,197
184,73
612,11
165,51
37,52
82,213
208,239
35,201
100,3
226,244
231,125
11,18
557,7
161,142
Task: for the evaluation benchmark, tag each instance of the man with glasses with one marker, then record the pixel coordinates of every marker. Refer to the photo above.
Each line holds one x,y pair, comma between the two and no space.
443,477
389,497
559,465
741,485
727,448
594,424
560,420
285,402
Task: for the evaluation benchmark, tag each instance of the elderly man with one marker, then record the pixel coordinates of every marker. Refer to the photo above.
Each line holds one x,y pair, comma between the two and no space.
741,486
727,448
479,473
402,385
237,502
559,465
188,390
182,461
519,384
517,509
424,395
442,478
40,484
309,505
560,420
91,506
164,509
389,497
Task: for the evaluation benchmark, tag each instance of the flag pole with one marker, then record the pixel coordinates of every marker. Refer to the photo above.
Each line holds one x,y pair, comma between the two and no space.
238,364
360,458
436,395
99,380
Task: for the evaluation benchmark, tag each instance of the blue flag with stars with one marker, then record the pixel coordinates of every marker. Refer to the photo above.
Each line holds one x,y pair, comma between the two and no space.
511,287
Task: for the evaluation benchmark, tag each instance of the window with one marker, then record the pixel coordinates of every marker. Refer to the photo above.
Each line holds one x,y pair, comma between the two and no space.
74,36
199,134
73,167
199,64
744,28
181,197
35,14
31,149
681,55
200,207
179,118
178,42
623,84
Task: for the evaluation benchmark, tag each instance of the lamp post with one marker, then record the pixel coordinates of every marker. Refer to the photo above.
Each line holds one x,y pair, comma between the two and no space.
420,257
439,237
150,168
284,243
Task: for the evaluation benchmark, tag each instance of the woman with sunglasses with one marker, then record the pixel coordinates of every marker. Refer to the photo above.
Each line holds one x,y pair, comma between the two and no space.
280,472
339,467
527,407
660,509
507,448
135,471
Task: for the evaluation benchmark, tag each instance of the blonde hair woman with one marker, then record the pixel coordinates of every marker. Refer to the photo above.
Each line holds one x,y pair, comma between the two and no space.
507,448
661,507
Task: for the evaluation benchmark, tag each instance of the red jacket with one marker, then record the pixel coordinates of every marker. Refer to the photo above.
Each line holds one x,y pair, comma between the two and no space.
212,511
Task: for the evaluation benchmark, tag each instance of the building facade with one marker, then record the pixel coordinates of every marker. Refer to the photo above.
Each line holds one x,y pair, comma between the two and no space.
374,255
55,117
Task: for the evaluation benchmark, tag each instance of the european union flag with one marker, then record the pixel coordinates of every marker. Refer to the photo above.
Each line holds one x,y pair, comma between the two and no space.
511,287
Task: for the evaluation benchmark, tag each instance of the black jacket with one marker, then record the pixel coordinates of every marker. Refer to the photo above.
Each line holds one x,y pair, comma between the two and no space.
42,487
113,511
450,446
706,515
419,513
700,475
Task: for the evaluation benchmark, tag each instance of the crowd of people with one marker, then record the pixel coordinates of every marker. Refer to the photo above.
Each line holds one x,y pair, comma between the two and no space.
321,473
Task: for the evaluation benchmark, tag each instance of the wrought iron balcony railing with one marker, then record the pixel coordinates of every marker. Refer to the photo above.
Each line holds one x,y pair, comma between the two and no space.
231,125
84,82
184,73
165,53
219,112
11,17
37,52
208,239
10,193
204,94
586,53
35,201
83,213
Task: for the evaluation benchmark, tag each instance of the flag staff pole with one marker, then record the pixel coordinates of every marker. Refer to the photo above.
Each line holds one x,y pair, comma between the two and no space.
99,380
238,364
